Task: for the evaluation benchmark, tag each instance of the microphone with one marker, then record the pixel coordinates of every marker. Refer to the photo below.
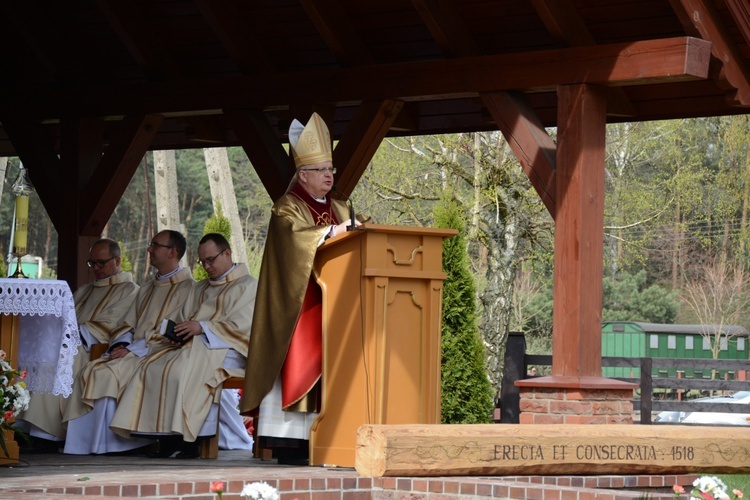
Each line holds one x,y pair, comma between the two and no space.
342,196
352,225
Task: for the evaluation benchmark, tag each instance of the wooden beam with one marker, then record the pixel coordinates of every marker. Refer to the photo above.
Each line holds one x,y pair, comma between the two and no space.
261,145
361,140
337,31
563,22
735,75
236,37
141,42
528,139
81,145
547,449
45,41
651,61
446,27
115,170
579,232
517,121
740,11
37,153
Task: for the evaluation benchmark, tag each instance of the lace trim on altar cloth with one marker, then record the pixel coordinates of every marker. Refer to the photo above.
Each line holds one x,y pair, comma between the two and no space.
48,331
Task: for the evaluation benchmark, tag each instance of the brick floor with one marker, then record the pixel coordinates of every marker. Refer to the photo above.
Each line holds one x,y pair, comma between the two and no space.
108,477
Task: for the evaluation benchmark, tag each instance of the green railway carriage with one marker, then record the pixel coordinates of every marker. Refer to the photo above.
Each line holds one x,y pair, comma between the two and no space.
654,340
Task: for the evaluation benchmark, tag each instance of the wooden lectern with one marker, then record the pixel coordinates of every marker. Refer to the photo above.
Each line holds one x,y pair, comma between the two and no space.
382,303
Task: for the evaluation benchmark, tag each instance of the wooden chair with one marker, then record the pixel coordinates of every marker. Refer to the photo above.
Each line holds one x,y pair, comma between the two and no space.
210,446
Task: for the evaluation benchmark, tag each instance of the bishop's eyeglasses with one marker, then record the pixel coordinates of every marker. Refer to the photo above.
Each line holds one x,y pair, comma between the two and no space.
324,170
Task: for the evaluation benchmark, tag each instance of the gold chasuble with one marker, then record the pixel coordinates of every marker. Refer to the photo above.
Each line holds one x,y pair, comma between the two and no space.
106,377
100,305
286,334
171,390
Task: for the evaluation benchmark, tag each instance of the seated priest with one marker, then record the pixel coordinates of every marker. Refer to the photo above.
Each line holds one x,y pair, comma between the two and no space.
174,394
284,364
96,389
100,306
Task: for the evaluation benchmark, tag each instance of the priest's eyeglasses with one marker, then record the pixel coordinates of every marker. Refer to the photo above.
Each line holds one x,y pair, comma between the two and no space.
98,263
154,244
324,170
209,261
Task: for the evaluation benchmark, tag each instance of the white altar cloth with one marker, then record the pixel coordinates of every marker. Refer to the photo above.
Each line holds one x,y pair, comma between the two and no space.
48,331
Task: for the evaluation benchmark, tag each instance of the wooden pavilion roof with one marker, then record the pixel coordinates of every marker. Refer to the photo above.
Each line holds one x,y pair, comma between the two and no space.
199,62
88,86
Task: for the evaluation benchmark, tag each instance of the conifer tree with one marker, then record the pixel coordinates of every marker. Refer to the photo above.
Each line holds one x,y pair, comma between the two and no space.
466,390
125,263
217,223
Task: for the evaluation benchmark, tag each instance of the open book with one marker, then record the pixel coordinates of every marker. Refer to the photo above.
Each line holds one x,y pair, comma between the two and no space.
167,329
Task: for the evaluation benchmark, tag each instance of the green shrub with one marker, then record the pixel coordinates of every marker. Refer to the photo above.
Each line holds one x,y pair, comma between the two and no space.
466,390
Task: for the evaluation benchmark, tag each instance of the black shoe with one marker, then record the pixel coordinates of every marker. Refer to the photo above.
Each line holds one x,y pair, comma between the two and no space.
36,445
292,456
166,448
189,450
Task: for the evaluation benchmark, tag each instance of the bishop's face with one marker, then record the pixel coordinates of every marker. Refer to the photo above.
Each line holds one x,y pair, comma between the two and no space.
317,179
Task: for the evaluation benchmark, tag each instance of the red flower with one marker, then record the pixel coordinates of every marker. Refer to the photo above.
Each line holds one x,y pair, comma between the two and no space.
217,487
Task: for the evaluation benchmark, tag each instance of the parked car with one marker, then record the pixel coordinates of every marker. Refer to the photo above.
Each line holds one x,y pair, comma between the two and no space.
710,418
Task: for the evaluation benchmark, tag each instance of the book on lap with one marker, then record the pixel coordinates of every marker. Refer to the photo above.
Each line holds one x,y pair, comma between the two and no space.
167,329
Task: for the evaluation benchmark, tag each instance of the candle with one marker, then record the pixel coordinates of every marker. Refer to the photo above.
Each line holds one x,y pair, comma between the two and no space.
20,234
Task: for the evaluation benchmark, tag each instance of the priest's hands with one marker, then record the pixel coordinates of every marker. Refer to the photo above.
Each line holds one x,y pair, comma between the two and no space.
341,228
187,330
119,352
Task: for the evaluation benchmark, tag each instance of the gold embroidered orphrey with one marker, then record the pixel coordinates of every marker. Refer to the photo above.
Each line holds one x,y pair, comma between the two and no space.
324,218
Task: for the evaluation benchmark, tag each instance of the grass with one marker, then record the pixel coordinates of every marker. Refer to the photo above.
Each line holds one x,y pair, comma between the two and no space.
736,482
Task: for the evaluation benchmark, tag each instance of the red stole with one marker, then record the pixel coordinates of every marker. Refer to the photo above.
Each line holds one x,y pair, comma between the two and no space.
302,366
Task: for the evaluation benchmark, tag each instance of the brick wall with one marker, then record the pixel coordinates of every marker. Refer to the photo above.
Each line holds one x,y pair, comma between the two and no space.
575,406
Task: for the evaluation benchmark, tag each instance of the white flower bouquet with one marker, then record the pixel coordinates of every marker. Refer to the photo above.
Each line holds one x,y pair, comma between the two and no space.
259,491
14,397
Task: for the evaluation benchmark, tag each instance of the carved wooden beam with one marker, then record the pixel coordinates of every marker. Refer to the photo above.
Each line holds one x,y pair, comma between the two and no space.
563,449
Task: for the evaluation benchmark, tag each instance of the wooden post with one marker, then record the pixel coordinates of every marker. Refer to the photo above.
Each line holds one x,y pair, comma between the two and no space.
514,368
576,378
647,390
579,232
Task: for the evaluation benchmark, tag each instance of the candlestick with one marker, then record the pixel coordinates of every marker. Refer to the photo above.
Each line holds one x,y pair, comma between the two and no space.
22,188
